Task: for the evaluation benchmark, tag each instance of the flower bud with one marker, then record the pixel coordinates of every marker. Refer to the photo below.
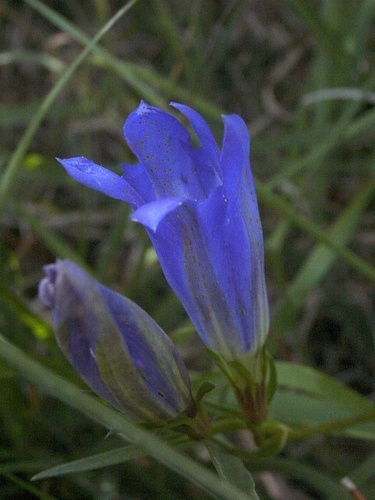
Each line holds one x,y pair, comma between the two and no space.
115,346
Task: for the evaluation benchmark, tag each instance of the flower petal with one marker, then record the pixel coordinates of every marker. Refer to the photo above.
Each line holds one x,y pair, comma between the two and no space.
243,227
150,214
136,176
238,180
189,269
101,179
161,377
206,139
238,268
162,145
56,293
206,156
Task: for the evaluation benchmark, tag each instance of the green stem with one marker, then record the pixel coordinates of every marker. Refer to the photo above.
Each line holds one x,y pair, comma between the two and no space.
270,448
227,424
247,377
331,427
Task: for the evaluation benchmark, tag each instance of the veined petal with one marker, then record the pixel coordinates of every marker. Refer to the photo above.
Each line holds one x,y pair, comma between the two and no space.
162,145
57,294
235,154
184,256
160,387
243,226
212,253
238,267
101,179
238,181
115,346
205,137
206,156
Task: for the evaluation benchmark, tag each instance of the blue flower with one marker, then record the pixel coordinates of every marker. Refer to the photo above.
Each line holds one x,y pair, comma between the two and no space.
199,207
121,353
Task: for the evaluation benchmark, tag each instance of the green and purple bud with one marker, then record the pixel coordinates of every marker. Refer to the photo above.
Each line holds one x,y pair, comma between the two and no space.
115,346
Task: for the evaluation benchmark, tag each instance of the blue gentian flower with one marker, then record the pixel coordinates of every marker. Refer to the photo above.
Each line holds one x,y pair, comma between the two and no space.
116,347
199,207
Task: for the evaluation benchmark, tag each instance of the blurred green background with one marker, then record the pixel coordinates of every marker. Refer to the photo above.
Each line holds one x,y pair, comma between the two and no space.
302,75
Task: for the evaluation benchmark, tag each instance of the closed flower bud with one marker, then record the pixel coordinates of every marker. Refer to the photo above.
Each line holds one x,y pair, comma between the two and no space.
116,347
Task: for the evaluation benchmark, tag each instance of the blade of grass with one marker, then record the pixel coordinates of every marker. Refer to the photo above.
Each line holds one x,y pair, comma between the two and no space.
50,62
71,395
39,327
337,134
308,138
132,73
9,175
364,471
320,260
308,13
362,28
284,208
22,466
300,378
169,28
114,240
290,468
26,486
124,69
105,459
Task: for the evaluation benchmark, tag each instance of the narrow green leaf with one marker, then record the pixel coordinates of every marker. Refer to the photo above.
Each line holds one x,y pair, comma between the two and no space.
364,471
308,380
305,396
320,260
301,410
93,462
344,128
271,378
309,14
232,469
308,397
278,203
103,57
50,62
9,175
26,486
141,78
